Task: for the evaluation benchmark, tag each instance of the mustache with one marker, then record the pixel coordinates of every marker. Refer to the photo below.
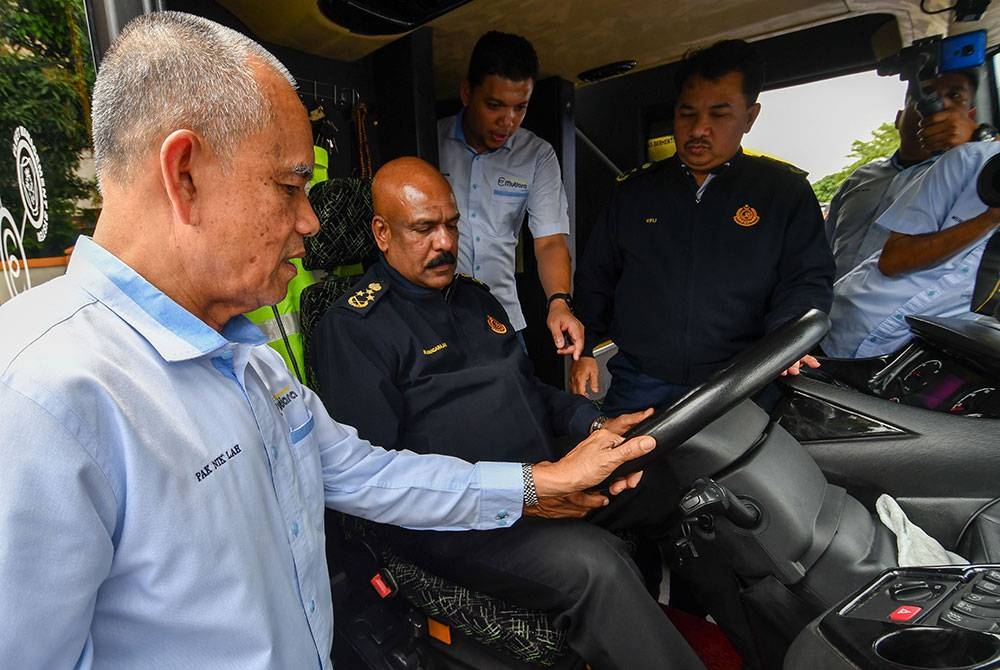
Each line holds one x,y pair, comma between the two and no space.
697,143
443,258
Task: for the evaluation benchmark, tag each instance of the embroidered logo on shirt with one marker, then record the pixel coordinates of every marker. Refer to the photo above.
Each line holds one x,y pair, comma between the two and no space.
651,219
511,182
436,348
746,216
363,298
495,325
217,462
283,397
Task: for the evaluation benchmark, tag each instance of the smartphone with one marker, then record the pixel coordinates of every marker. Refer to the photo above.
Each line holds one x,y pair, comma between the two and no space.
960,52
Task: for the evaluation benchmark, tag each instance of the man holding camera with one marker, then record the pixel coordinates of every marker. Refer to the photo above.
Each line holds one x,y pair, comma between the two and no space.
869,192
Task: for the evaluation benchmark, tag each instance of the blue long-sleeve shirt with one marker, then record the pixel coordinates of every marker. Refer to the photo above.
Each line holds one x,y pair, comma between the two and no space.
163,485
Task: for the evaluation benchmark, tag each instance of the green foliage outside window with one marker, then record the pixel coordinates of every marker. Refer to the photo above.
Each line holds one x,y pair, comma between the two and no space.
883,143
46,75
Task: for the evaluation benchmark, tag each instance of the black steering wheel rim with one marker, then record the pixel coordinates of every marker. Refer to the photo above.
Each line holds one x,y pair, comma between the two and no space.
747,373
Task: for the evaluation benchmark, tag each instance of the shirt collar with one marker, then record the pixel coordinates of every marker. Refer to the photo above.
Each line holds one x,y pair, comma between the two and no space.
174,332
458,134
718,169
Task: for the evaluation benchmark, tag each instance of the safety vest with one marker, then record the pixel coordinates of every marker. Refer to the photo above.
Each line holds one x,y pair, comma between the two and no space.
280,322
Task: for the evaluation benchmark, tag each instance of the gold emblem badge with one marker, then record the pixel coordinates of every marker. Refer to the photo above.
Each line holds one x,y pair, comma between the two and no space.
746,216
363,298
496,325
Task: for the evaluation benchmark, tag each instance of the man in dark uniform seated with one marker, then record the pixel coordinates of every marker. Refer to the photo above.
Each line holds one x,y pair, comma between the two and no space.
418,358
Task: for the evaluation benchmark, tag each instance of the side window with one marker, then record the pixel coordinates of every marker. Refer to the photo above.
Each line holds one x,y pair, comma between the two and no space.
48,193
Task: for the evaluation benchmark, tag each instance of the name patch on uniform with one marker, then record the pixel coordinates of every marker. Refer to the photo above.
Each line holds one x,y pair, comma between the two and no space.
496,325
217,462
650,219
436,348
746,216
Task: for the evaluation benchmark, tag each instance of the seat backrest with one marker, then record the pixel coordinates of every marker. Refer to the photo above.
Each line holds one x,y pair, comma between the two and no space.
343,247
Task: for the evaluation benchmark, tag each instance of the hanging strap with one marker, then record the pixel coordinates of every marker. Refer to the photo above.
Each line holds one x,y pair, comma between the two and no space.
358,116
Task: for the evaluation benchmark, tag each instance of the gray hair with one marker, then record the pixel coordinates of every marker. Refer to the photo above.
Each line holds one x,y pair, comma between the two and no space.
167,71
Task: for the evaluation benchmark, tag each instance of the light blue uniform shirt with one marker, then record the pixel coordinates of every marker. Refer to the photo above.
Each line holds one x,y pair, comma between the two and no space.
163,485
869,309
860,200
493,191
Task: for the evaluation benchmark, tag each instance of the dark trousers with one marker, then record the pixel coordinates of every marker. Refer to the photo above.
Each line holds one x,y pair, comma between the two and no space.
632,390
575,570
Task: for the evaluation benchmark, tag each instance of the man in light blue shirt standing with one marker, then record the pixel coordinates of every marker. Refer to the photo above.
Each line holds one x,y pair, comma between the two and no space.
937,231
500,171
165,478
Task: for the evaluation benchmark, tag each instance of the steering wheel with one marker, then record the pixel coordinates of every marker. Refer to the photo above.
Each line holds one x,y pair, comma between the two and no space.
746,374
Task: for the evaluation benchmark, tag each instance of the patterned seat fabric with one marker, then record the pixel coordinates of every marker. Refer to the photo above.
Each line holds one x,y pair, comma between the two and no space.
344,209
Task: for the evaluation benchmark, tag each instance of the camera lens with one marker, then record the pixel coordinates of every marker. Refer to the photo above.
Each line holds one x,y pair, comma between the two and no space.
967,50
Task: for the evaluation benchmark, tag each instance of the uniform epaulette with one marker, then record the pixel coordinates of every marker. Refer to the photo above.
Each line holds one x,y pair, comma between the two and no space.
472,280
642,169
362,300
794,169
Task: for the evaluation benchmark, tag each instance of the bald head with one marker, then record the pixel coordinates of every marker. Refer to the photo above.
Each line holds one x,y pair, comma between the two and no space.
416,221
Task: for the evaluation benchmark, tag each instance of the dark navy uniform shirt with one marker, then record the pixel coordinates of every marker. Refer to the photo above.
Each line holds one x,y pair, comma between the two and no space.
682,284
438,372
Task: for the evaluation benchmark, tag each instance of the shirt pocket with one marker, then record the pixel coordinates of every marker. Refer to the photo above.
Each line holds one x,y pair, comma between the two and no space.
508,204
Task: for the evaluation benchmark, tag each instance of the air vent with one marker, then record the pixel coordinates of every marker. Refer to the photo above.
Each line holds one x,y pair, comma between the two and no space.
605,71
385,17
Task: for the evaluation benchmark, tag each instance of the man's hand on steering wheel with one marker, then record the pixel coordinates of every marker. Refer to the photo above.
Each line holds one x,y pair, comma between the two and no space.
622,423
796,367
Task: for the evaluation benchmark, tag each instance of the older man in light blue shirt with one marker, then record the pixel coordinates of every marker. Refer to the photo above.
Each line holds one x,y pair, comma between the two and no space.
938,228
164,477
499,172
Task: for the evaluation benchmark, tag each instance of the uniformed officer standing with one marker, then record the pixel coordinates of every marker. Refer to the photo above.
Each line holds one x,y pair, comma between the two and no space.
500,171
698,256
422,360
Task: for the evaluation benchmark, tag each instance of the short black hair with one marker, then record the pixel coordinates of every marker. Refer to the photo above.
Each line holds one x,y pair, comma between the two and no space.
720,59
505,55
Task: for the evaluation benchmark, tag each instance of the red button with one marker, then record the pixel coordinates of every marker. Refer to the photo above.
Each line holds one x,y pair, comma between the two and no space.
383,589
905,612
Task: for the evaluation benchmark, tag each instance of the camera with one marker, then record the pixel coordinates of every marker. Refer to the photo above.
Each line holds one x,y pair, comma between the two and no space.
929,57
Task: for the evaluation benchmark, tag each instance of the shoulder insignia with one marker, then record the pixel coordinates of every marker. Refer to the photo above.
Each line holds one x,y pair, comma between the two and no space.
642,169
794,169
366,296
475,282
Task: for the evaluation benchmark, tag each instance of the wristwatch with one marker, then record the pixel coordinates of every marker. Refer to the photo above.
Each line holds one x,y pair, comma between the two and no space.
598,423
984,132
568,298
530,494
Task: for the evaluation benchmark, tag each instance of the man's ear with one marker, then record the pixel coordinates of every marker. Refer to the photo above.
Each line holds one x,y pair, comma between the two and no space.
972,113
179,153
381,232
899,118
752,113
465,92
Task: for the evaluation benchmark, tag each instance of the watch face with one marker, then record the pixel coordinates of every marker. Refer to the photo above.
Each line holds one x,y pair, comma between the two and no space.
984,133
